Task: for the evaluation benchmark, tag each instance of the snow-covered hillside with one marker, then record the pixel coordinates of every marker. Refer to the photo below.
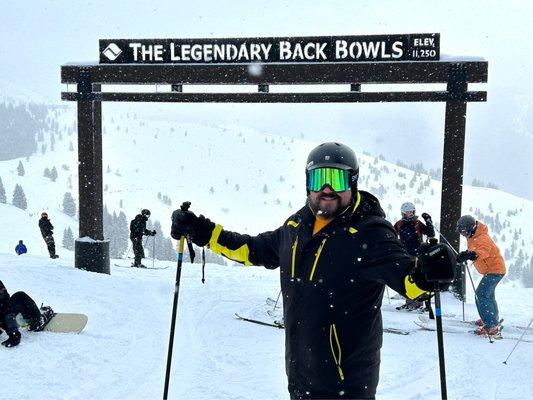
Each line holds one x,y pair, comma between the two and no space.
121,354
248,181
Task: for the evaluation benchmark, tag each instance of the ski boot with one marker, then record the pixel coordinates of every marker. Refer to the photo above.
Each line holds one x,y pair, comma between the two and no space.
494,333
38,324
138,265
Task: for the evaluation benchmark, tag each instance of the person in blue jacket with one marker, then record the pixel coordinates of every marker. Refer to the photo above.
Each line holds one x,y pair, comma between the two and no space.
21,248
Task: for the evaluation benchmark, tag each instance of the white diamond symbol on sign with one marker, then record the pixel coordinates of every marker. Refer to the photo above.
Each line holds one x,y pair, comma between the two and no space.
112,51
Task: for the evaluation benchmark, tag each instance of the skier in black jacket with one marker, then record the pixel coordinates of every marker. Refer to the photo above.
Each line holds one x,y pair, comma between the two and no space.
137,230
335,255
47,231
20,302
411,232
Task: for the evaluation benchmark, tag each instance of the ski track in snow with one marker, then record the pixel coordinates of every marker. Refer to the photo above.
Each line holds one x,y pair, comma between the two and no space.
122,352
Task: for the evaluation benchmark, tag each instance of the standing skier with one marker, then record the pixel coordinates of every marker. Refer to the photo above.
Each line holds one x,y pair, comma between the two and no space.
20,302
137,230
21,248
411,232
489,263
47,231
335,256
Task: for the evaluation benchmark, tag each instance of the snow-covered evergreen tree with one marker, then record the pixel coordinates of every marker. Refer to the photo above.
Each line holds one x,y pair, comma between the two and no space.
19,198
68,239
3,199
527,277
53,174
20,169
69,206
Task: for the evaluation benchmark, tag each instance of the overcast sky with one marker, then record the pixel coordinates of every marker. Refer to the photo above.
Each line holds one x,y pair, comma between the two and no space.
39,36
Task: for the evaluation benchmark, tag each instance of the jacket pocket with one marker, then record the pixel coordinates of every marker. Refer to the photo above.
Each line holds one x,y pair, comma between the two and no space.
317,256
336,350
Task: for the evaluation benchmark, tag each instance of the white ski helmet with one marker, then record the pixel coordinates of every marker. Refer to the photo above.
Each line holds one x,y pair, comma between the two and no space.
407,207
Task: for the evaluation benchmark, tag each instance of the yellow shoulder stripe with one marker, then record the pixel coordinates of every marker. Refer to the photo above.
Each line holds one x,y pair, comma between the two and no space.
292,223
352,230
240,255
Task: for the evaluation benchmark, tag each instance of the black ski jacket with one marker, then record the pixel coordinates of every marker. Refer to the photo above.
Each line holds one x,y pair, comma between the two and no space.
138,227
46,227
332,284
411,233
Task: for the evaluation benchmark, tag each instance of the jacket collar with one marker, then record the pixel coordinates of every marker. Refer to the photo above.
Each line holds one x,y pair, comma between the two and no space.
363,205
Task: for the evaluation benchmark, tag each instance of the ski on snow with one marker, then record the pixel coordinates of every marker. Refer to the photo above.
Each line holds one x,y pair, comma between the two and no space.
279,324
274,324
456,326
129,266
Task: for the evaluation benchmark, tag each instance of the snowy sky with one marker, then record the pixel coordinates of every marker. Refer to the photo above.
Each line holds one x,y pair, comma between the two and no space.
39,36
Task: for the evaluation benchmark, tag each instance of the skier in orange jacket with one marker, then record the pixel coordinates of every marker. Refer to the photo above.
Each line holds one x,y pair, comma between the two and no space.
488,261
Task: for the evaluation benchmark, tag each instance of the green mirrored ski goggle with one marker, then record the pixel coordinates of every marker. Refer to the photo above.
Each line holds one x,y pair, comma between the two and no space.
338,179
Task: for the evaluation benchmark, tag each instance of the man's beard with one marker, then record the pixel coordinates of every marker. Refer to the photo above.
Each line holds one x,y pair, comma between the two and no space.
327,211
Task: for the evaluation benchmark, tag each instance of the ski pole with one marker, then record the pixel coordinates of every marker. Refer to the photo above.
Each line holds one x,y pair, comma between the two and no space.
440,343
153,251
276,303
127,252
519,340
181,245
174,312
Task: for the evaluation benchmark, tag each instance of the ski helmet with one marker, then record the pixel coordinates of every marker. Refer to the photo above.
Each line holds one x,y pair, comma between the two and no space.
145,212
44,214
334,155
466,225
408,207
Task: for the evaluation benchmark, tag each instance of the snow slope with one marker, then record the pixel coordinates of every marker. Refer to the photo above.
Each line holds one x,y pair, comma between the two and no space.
248,181
122,352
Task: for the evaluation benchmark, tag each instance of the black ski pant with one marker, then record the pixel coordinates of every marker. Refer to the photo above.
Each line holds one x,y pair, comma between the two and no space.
21,303
50,244
138,249
24,304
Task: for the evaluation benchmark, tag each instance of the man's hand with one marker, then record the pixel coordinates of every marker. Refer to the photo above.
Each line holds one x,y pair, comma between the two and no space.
463,256
186,223
153,233
427,218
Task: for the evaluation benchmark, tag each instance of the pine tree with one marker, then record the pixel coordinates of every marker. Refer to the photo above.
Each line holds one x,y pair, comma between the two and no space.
53,174
123,233
20,169
46,172
19,198
68,239
527,277
69,206
3,199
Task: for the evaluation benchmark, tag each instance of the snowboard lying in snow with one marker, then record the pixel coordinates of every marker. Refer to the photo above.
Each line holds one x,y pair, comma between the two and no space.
60,323
458,326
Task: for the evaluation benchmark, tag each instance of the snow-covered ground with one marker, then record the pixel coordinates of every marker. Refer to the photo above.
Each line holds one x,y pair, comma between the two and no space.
249,181
121,354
